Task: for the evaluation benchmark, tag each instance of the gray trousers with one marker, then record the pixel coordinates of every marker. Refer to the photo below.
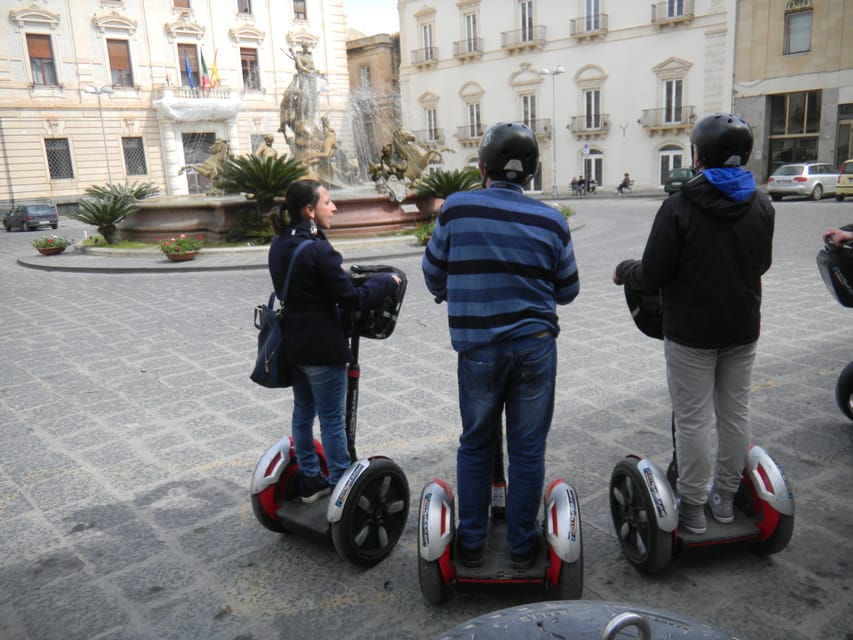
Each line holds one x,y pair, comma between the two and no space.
709,388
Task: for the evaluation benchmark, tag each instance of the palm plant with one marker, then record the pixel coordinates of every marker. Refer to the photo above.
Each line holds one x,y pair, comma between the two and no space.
131,191
442,182
105,213
261,179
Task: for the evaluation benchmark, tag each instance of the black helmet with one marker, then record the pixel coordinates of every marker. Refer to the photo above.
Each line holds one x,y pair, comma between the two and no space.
377,323
722,140
509,151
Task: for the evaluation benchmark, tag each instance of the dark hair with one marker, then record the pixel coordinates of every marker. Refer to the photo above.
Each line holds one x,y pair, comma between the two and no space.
300,194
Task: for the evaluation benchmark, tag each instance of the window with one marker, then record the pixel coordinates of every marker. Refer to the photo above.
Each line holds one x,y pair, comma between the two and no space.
299,10
426,39
474,127
58,158
188,62
471,45
134,156
674,8
592,15
526,8
41,59
798,32
592,109
528,110
794,128
181,4
671,157
244,6
672,92
249,65
119,54
364,76
431,117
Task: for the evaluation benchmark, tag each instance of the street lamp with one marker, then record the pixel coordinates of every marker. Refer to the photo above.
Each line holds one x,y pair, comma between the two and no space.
98,92
553,72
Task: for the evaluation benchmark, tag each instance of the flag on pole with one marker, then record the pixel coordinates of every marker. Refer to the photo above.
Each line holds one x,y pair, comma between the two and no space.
189,71
214,74
205,77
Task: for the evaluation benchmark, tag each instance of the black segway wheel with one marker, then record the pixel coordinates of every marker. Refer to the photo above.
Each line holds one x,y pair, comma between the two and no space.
644,544
374,515
844,391
432,584
570,580
779,539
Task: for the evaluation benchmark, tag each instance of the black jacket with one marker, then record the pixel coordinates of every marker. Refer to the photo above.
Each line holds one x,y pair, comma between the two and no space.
707,253
320,290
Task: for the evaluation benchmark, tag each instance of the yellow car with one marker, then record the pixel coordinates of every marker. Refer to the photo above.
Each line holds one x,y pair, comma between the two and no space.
844,186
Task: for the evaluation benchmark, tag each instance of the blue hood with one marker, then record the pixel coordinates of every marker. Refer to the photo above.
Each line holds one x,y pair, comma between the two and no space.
737,183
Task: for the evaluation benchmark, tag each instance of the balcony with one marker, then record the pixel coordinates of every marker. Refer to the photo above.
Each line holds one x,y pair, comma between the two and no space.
541,127
429,136
184,104
668,119
590,126
469,135
593,26
672,12
468,49
425,57
523,38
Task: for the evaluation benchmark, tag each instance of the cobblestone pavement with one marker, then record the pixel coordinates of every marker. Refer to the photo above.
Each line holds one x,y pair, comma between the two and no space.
129,430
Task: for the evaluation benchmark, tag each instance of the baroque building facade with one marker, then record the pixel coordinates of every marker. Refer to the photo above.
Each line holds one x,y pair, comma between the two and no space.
609,86
97,91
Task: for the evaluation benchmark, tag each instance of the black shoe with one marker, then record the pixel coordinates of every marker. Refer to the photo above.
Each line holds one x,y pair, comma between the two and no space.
471,558
312,488
524,560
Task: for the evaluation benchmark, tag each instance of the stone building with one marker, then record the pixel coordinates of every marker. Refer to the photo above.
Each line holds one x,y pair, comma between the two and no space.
97,91
794,80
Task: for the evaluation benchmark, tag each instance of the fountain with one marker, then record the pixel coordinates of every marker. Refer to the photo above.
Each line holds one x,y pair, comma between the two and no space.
371,197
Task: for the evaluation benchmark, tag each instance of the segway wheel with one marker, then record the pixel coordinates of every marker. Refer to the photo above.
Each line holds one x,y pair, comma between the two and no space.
268,501
432,584
644,544
570,580
374,514
844,391
780,537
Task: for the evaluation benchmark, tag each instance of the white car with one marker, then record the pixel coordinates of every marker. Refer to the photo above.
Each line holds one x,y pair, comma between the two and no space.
806,179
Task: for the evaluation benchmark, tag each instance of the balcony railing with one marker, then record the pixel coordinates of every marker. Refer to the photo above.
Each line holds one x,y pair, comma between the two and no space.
470,134
673,11
668,118
541,127
589,126
470,48
429,136
589,26
425,56
198,93
521,38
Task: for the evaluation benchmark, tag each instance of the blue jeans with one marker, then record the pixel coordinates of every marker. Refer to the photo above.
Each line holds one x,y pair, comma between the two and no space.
321,392
517,377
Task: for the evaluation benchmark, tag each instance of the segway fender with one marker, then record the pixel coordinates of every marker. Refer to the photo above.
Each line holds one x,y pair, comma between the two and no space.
666,506
271,465
562,521
769,481
343,489
435,522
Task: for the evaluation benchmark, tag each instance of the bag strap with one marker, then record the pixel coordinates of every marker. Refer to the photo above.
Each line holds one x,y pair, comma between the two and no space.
296,251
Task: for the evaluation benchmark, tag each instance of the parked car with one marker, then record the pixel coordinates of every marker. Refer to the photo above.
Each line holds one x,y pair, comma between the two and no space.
844,184
31,216
675,178
808,179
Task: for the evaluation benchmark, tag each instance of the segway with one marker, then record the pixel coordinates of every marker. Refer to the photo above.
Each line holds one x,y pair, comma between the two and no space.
367,510
559,568
643,499
835,265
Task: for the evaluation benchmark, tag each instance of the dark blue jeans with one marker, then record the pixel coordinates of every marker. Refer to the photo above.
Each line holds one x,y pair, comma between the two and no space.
516,377
320,391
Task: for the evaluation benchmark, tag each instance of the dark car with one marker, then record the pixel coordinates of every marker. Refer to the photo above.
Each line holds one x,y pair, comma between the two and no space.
31,216
676,178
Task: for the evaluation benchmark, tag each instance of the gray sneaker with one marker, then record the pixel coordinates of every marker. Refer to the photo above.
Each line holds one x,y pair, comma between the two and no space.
722,505
691,518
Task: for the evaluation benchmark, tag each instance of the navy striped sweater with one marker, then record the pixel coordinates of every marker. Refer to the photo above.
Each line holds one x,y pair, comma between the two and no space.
503,261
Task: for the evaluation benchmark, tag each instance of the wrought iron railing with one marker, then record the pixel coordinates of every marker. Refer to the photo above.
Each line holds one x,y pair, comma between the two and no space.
425,56
668,117
468,47
429,136
590,123
595,24
672,11
529,36
470,132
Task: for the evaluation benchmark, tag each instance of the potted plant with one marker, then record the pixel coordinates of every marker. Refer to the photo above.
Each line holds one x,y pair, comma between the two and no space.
181,248
51,245
432,189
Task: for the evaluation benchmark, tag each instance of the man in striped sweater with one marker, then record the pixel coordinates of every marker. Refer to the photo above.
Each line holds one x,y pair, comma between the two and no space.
503,261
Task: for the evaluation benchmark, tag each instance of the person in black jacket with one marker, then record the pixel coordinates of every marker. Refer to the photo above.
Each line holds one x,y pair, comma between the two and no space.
316,343
707,250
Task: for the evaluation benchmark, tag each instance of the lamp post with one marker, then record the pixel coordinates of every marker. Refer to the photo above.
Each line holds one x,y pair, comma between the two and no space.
554,71
98,92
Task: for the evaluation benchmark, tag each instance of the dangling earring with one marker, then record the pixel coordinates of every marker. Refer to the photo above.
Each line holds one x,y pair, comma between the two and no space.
312,227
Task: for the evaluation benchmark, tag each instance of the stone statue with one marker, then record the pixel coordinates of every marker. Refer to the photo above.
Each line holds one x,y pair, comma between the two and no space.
220,151
264,149
297,110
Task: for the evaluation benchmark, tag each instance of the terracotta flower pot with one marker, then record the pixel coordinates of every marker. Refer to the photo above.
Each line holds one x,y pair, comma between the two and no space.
182,257
50,251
